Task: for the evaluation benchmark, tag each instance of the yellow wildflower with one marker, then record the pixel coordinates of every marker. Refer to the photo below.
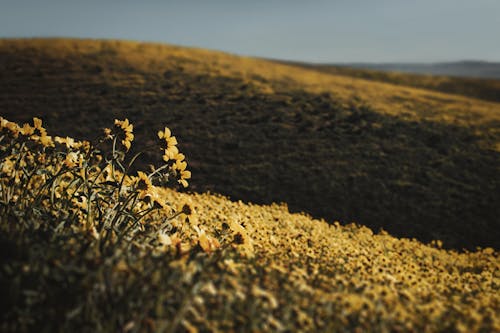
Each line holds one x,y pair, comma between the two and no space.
207,243
164,239
37,123
107,133
46,141
125,125
171,141
164,134
80,202
143,183
60,140
179,157
8,167
170,153
27,130
69,142
184,175
147,192
84,145
71,160
12,127
180,167
127,142
127,130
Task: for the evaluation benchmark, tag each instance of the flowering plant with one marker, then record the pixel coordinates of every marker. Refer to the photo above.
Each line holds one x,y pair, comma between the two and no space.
52,182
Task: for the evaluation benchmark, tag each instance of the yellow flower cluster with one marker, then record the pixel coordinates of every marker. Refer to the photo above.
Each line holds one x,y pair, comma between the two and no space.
36,133
171,150
288,273
171,153
13,128
128,129
315,276
91,209
74,165
147,192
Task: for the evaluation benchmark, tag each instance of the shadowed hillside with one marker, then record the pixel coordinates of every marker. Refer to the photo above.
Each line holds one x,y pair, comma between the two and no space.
417,163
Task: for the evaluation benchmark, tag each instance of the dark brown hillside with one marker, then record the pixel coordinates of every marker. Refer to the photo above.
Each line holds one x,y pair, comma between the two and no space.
263,132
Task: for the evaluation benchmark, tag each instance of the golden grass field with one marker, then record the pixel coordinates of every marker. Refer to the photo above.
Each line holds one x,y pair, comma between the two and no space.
417,163
486,89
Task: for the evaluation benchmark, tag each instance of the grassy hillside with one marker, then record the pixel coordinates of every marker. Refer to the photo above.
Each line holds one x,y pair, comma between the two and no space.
482,88
465,68
414,162
86,248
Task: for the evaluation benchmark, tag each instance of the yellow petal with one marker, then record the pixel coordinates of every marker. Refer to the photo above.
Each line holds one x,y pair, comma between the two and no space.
179,157
181,166
37,122
204,242
127,144
171,152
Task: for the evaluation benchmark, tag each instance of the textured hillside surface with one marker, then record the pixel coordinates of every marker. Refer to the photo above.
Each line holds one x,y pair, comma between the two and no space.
414,162
487,88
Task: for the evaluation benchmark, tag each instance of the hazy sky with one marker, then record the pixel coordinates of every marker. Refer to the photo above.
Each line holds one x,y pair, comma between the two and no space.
322,31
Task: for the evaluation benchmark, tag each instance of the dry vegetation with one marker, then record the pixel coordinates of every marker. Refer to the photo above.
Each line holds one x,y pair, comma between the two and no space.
86,247
486,89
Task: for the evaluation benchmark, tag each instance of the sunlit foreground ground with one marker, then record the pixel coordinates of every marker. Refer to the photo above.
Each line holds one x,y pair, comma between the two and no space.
85,248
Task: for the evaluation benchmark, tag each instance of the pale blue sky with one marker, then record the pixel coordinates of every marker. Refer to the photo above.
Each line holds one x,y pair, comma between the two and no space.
320,31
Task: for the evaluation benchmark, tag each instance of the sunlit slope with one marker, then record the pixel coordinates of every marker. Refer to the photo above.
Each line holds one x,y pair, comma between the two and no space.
482,88
417,163
308,275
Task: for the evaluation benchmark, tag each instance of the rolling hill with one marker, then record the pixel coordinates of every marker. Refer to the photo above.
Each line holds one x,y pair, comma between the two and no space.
467,68
483,86
414,162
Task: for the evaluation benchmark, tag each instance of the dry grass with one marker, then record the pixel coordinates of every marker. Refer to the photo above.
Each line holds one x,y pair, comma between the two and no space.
486,89
414,162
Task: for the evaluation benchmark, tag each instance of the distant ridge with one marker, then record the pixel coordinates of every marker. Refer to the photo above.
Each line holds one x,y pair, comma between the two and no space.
466,68
477,79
